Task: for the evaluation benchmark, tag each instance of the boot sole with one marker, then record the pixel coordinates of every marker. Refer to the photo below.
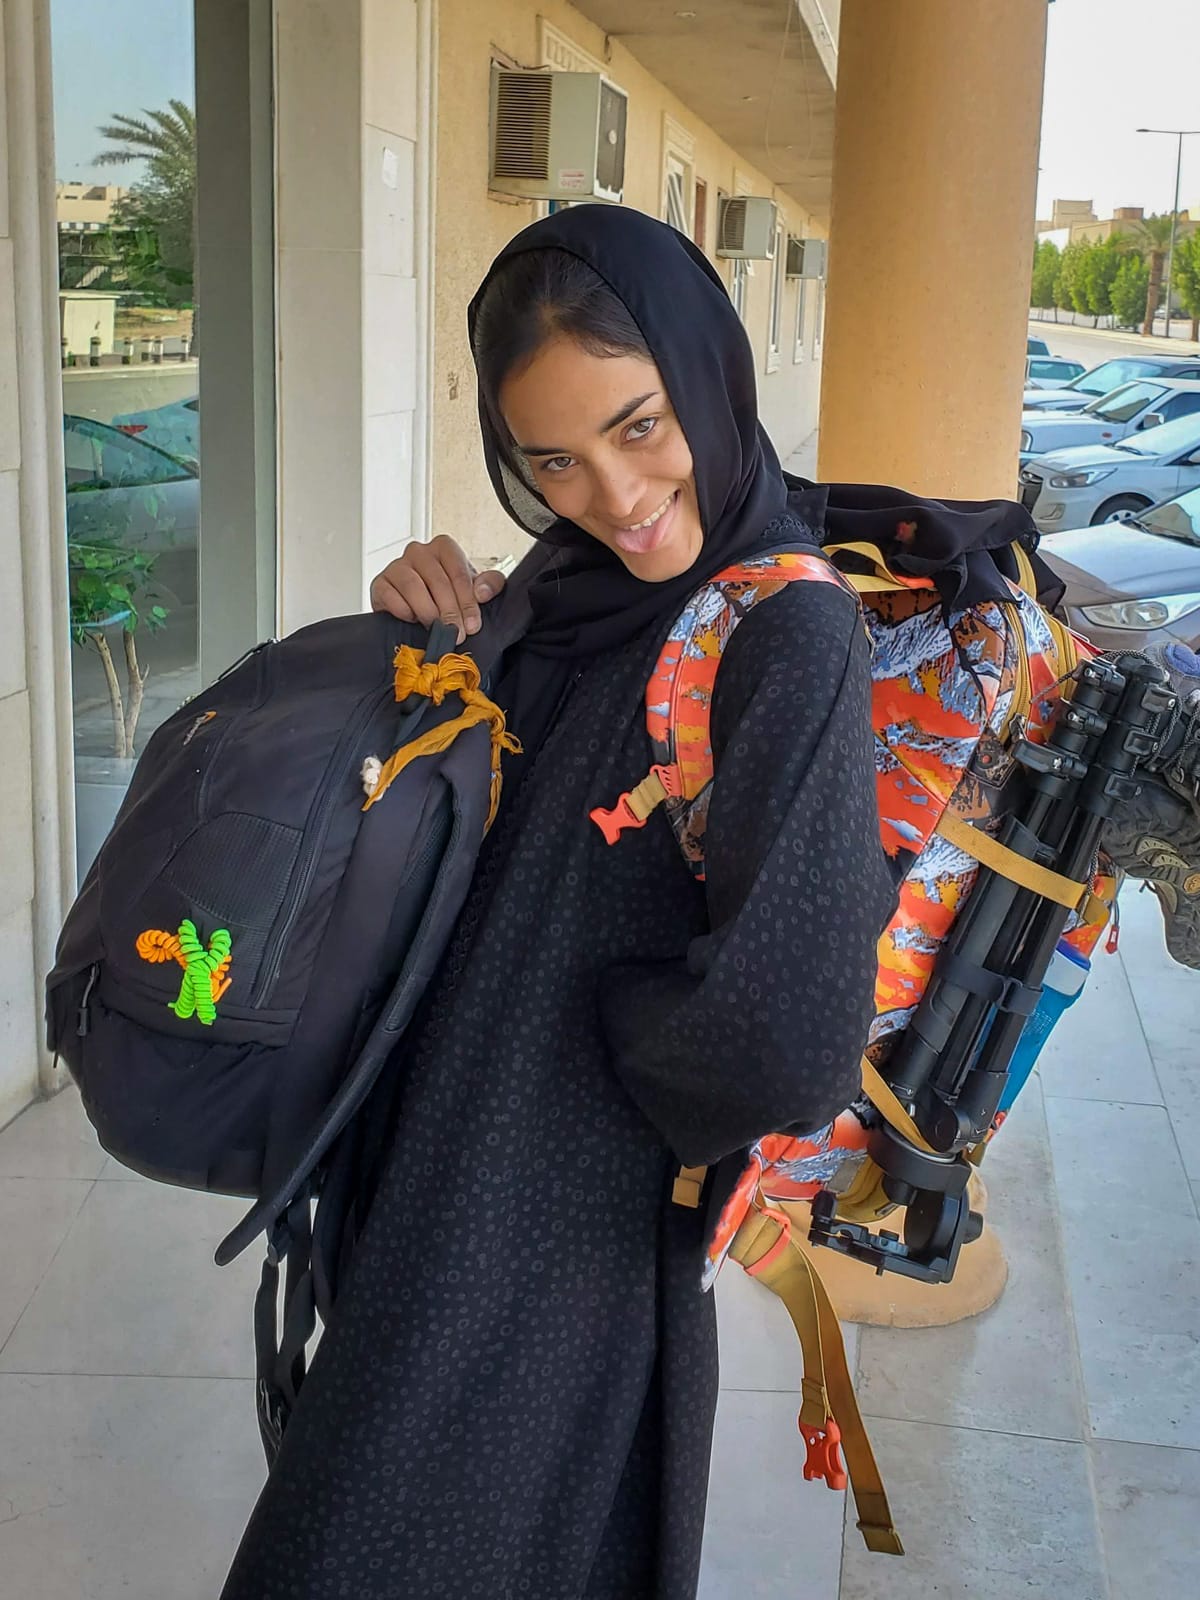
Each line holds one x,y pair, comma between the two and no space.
1156,838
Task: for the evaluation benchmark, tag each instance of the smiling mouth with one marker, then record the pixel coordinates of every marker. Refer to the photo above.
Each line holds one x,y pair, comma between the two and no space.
642,537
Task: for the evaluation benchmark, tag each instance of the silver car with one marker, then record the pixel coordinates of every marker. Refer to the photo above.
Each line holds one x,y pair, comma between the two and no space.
1136,584
1108,483
1102,380
1143,404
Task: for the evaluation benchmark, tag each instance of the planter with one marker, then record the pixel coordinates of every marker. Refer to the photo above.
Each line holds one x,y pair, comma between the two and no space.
100,785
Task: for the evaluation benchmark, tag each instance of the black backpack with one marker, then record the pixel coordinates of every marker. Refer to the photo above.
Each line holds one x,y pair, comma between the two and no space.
252,941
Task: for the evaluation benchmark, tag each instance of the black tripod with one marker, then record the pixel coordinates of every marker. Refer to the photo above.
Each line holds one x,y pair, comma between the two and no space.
950,1066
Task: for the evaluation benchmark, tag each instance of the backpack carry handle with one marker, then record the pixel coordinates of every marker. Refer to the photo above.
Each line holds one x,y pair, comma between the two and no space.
443,638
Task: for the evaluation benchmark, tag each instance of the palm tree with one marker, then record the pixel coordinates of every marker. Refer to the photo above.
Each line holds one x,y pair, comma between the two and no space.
163,202
167,142
1153,237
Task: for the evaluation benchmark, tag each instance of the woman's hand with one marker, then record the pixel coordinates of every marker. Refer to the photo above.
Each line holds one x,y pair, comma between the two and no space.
435,582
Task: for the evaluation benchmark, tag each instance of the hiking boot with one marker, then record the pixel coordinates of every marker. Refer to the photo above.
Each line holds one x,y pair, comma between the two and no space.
1156,838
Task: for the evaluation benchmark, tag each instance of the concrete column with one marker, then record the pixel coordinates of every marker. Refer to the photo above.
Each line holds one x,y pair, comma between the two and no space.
37,856
936,132
349,161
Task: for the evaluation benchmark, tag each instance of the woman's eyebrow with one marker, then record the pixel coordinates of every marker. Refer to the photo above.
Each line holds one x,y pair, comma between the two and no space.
623,415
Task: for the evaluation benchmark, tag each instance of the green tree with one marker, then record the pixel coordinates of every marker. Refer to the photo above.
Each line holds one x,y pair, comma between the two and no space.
1129,290
1152,236
1046,260
160,210
1071,288
1099,270
1187,278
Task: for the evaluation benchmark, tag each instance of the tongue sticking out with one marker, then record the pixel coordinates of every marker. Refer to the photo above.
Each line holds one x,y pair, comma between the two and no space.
640,541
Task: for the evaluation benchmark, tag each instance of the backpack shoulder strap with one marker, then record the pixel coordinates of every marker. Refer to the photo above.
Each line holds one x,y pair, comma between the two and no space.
679,695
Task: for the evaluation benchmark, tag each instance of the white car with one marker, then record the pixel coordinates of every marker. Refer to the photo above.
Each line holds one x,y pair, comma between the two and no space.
1144,404
174,427
1102,380
1107,483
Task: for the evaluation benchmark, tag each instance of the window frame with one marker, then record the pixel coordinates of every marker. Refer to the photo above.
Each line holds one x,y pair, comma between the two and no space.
775,303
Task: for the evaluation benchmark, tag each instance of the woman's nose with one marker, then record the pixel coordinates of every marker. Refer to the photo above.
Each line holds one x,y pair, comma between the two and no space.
618,494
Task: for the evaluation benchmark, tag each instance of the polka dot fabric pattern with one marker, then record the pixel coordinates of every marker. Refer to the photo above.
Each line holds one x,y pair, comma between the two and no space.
514,1396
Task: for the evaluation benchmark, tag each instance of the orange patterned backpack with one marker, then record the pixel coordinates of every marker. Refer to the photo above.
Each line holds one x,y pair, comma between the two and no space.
952,695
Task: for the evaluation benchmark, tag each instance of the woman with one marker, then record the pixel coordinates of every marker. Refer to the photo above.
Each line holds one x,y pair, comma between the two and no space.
515,1394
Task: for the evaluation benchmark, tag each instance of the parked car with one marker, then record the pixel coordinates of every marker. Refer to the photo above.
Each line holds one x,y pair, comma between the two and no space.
1108,483
1036,347
118,486
1102,380
174,427
1108,420
1137,583
1051,372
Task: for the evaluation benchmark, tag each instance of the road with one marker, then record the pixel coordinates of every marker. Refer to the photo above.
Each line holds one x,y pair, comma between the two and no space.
1095,345
103,393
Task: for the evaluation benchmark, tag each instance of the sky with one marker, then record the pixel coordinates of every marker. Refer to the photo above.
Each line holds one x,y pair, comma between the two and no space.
1113,66
114,56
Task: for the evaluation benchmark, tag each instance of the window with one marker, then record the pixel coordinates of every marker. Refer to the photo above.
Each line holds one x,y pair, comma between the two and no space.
1123,404
679,150
1184,404
737,286
677,196
775,323
700,214
100,457
798,350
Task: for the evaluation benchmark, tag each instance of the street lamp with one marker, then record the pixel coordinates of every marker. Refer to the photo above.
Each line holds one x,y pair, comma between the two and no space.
1181,134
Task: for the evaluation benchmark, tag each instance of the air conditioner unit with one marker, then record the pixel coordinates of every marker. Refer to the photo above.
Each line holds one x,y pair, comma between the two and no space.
746,228
557,136
805,258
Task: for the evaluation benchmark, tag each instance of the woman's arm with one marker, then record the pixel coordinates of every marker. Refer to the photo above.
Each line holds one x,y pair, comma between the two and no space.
762,1028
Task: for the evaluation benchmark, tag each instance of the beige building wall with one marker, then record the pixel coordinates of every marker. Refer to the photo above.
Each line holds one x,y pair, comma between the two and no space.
472,226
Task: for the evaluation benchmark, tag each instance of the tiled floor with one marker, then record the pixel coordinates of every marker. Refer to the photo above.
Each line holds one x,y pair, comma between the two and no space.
1048,1448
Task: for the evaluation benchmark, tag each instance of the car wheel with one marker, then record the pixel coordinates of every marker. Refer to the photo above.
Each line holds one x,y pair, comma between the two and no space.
1120,508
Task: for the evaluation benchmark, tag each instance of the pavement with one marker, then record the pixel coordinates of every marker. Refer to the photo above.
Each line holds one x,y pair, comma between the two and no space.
1050,1447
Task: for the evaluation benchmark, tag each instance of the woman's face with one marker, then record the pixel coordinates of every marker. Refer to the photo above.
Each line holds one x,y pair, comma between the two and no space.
607,453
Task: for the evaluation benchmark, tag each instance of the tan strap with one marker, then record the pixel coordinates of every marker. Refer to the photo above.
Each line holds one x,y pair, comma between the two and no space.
688,1185
647,796
764,1247
1018,869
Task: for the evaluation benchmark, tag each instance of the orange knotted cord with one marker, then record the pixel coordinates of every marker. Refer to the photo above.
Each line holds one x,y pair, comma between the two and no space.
453,674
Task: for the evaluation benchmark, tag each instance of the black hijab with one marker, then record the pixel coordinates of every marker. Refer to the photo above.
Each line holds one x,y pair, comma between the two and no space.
584,600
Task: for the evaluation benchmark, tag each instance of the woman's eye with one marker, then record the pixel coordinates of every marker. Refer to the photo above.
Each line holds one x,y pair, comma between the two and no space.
642,428
557,463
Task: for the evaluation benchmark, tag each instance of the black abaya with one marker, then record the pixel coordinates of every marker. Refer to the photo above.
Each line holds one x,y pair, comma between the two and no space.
516,1391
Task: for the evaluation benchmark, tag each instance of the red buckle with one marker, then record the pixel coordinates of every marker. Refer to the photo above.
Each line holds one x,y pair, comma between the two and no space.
824,1454
613,823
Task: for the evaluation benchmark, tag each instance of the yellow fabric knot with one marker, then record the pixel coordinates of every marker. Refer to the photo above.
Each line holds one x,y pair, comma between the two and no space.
434,680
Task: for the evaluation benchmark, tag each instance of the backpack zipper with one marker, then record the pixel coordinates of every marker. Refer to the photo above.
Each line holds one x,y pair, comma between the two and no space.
316,827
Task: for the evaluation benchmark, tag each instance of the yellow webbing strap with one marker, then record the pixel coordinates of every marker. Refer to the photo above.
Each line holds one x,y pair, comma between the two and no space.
1025,575
890,1109
879,582
764,1247
999,858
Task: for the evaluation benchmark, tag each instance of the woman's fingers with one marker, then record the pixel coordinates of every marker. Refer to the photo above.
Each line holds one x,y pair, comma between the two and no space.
435,582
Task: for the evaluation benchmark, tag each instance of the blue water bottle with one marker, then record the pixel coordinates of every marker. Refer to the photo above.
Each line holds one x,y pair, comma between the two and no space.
1061,987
